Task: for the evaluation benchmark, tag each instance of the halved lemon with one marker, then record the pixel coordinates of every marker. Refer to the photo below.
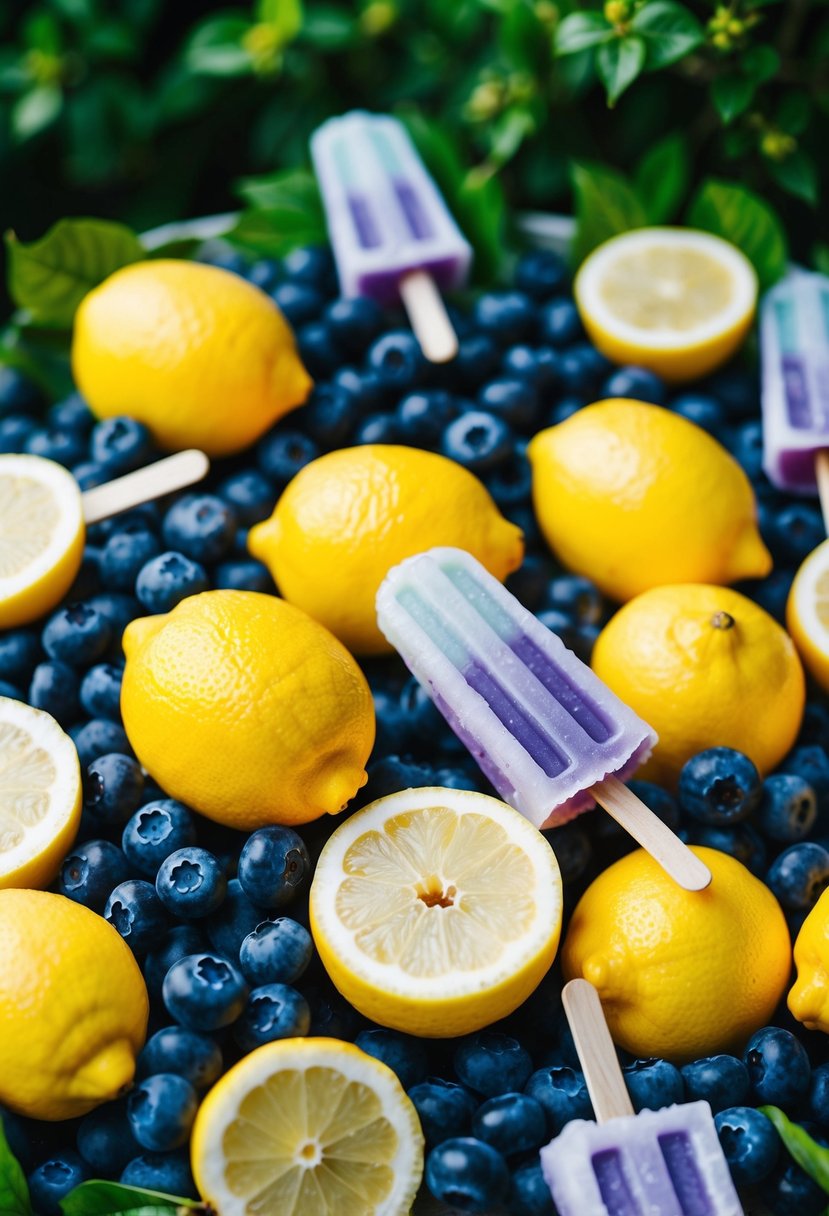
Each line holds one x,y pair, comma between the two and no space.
40,795
436,911
41,536
675,300
807,613
308,1127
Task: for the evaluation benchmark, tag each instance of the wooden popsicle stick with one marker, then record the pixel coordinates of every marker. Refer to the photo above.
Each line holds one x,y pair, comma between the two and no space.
153,481
822,475
597,1055
655,837
428,316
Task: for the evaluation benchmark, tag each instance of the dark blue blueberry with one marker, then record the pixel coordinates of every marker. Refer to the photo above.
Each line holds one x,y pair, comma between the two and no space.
168,1173
147,514
811,763
746,445
120,444
155,831
101,692
105,1140
362,388
273,866
789,1191
559,323
91,871
397,360
529,1194
191,1055
317,349
537,365
738,390
77,635
579,370
250,494
468,1174
402,1053
422,719
635,382
814,729
311,264
353,324
818,1107
20,651
281,454
476,361
276,952
505,316
529,582
119,610
659,800
492,1063
721,1081
10,690
98,737
653,1083
741,841
771,592
168,579
265,275
226,259
516,401
565,408
113,788
229,926
573,850
788,808
14,431
331,1016
749,1142
511,1123
477,440
190,883
134,909
700,408
87,581
161,1111
88,474
778,1067
377,428
540,273
55,688
719,786
422,416
392,773
17,392
273,1011
577,597
797,530
443,1108
799,875
204,992
562,1092
201,526
125,553
64,447
246,575
54,1179
298,302
180,941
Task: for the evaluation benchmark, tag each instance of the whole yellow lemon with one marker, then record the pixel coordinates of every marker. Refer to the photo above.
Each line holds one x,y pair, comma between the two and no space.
243,707
809,997
633,496
680,974
202,357
351,515
73,1007
696,662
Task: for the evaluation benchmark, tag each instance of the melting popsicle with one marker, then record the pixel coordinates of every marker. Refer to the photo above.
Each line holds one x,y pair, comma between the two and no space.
393,236
665,1161
549,735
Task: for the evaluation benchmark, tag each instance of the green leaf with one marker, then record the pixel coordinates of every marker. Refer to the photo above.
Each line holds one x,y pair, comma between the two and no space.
810,1156
509,131
329,29
732,95
215,47
794,112
605,204
288,188
275,231
797,175
524,41
14,1192
35,110
618,63
662,177
580,31
115,1199
732,212
670,31
760,63
284,15
820,258
50,277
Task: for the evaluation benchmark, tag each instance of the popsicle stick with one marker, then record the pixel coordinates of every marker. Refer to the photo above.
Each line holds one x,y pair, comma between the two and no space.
153,481
822,475
428,316
597,1055
655,837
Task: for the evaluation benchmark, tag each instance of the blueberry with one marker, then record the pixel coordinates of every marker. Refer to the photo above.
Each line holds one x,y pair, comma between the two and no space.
559,323
565,408
635,382
737,389
77,635
90,871
529,1194
778,1067
746,445
168,1173
124,554
418,709
54,1179
477,440
64,447
113,788
397,359
273,866
276,952
100,692
422,415
443,1108
250,495
98,737
659,800
155,831
55,688
161,1111
299,302
264,274
167,579
796,530
317,349
281,454
653,1083
789,1191
476,360
535,365
225,258
515,401
576,596
512,1123
799,875
105,1140
563,1094
20,651
15,429
492,1063
118,609
468,1174
718,1080
578,370
540,273
749,1142
120,444
700,408
814,729
312,264
377,428
353,324
741,841
11,691
190,883
529,582
201,526
245,575
404,1055
818,1102
204,992
788,808
229,926
812,764
719,786
180,941
196,1057
506,316
134,909
572,849
362,388
17,392
273,1011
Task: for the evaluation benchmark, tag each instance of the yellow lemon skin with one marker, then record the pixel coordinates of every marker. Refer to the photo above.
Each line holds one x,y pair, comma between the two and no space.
696,662
73,1007
807,613
681,974
243,707
808,999
200,356
633,496
351,515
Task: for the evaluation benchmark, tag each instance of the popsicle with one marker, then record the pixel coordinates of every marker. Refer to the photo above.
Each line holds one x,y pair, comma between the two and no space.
658,1163
549,735
794,333
393,235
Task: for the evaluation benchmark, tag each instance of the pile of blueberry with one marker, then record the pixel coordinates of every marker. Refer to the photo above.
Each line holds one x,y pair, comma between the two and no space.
219,920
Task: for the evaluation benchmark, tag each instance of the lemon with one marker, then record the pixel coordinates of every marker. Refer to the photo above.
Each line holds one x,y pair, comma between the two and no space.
807,613
308,1127
633,496
436,911
680,974
809,997
243,707
73,1007
40,795
351,515
675,300
199,355
705,667
41,536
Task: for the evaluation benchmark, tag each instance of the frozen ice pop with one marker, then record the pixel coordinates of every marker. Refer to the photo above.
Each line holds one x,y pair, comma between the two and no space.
549,735
658,1163
392,233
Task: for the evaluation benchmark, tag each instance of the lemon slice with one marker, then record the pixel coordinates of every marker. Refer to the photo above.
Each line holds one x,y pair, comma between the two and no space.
41,536
436,911
807,613
308,1127
674,300
40,795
